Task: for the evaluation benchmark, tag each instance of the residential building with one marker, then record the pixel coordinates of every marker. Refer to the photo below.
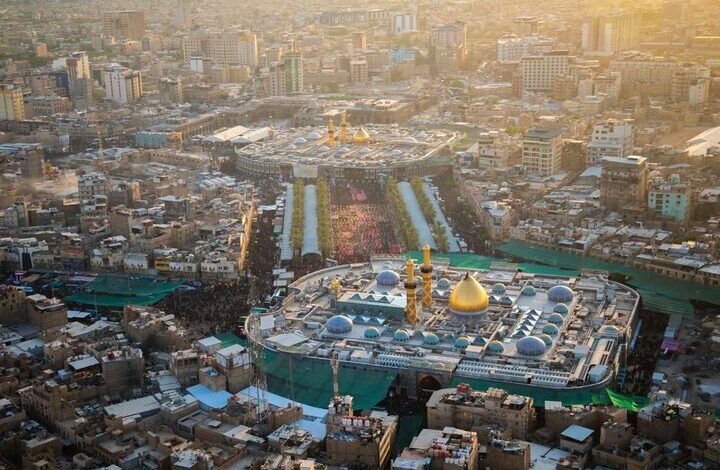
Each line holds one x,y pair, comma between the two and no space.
690,83
358,440
470,409
228,48
611,138
122,85
510,49
644,74
449,35
542,151
359,40
446,449
624,182
671,200
293,61
403,23
11,103
359,70
610,33
538,72
93,184
128,24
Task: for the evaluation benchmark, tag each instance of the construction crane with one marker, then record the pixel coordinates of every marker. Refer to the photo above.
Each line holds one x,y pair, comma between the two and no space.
335,366
257,355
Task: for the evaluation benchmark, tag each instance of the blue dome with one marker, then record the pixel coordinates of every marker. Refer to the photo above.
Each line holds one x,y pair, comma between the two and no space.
550,329
387,278
529,290
561,309
560,294
462,342
372,332
496,347
531,346
555,318
401,336
339,324
419,280
547,339
506,300
443,284
431,339
498,288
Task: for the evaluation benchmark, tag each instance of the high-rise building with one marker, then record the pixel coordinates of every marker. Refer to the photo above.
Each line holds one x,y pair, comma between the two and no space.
171,89
359,70
690,83
611,138
542,151
449,35
122,85
11,103
359,40
402,23
79,79
510,49
183,14
227,48
525,25
624,182
608,34
276,84
293,61
127,24
539,72
644,74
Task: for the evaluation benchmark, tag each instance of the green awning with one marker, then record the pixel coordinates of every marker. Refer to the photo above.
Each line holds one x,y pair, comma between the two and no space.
310,381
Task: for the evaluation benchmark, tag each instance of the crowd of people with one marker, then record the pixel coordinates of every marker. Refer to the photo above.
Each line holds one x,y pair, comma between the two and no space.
212,307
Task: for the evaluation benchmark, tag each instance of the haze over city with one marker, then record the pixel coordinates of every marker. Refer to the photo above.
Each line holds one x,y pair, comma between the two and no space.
397,235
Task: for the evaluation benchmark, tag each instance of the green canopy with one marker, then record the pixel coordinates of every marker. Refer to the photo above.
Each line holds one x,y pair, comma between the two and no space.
310,381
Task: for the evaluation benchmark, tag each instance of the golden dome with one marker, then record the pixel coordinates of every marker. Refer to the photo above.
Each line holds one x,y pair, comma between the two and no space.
361,137
468,296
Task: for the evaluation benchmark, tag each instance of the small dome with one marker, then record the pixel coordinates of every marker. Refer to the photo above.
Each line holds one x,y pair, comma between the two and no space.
498,288
291,147
361,137
299,141
421,135
555,318
550,329
547,339
431,339
462,342
401,336
324,148
396,153
314,135
561,309
339,324
560,294
531,346
387,278
495,347
506,300
468,296
528,290
372,332
443,284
